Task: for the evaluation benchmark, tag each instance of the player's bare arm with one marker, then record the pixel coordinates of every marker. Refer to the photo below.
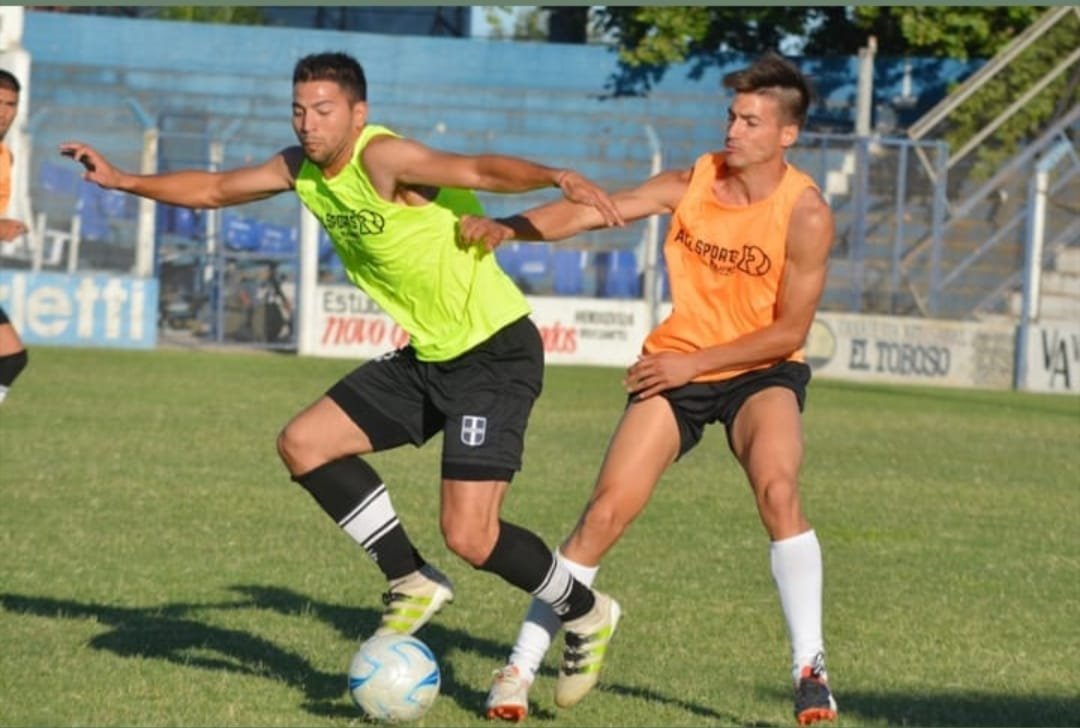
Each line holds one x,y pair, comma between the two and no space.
810,237
11,229
563,219
394,163
192,188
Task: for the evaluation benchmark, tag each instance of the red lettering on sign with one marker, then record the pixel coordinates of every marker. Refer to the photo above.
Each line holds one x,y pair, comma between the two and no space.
559,339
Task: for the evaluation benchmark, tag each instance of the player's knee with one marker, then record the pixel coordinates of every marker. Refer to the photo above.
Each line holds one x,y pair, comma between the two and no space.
778,497
469,541
294,449
606,517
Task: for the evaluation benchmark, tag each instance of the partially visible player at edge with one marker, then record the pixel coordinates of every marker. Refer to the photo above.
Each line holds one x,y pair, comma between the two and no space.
13,356
474,363
747,253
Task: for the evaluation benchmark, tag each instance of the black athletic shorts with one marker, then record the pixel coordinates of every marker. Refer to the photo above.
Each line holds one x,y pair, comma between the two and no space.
698,404
480,400
3,316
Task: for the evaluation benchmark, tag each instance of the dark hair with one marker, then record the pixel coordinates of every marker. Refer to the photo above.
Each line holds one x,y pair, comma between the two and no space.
8,81
341,68
772,74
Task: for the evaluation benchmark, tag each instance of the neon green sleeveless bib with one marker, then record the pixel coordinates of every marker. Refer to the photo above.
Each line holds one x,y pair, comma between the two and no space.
407,258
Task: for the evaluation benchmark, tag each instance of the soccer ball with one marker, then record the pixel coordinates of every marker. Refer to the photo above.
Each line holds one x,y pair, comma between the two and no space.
394,678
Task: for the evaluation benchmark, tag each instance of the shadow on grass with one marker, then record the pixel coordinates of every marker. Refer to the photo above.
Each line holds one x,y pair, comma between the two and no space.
966,708
175,633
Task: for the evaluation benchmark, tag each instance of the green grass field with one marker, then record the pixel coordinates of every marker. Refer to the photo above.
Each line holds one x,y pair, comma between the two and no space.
158,568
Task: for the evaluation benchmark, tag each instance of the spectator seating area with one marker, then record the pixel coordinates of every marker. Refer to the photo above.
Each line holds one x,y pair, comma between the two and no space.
229,86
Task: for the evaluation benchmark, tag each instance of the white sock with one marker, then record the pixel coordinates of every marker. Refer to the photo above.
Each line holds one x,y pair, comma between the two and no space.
796,567
542,624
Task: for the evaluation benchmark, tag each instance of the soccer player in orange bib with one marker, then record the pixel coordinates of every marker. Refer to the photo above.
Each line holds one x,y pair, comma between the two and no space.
13,356
747,254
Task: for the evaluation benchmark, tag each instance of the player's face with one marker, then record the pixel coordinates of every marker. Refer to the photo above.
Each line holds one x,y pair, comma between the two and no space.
9,104
326,123
757,132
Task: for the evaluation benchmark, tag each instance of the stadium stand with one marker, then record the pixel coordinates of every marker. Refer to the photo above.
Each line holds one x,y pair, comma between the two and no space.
234,89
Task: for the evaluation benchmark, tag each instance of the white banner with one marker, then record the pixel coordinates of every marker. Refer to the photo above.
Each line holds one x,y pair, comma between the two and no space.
911,350
346,323
605,332
608,332
1053,359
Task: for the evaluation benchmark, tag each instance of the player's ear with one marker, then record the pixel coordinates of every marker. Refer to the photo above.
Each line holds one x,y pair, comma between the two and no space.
359,111
789,134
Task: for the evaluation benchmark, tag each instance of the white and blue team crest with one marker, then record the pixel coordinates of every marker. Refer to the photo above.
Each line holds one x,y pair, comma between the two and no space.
473,430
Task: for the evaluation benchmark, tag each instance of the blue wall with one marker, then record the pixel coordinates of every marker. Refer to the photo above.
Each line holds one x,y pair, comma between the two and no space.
206,55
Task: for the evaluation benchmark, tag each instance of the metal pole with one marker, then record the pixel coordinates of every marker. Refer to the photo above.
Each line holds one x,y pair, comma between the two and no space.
1038,189
898,239
864,101
857,243
650,284
308,280
213,272
941,181
1037,233
215,241
1029,306
145,227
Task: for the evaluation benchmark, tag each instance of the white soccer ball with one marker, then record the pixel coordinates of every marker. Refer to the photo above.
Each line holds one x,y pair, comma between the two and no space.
394,678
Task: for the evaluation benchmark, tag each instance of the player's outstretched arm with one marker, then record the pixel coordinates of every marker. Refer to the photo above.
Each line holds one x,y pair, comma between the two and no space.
192,188
563,219
393,162
11,229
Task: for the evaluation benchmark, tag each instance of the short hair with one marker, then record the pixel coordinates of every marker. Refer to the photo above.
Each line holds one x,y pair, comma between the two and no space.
775,76
8,81
341,68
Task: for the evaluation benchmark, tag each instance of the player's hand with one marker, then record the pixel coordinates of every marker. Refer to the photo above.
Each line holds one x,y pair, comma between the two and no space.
11,229
654,373
579,189
473,230
97,168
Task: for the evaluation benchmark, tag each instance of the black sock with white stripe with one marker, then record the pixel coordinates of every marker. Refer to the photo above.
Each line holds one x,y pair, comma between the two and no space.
521,558
353,494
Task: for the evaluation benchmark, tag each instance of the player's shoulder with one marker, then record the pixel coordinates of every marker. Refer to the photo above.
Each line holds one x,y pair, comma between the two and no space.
389,150
811,206
384,141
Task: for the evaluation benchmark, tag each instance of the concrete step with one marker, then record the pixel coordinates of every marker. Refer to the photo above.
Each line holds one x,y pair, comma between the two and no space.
999,319
1068,260
1051,307
1061,284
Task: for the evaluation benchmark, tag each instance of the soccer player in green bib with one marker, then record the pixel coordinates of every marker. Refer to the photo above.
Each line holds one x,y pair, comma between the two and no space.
472,369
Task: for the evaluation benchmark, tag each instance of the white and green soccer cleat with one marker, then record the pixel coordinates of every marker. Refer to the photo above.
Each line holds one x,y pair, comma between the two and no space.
413,600
509,696
587,639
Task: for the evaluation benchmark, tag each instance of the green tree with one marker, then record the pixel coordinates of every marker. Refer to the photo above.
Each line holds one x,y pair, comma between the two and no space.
527,25
649,39
950,32
654,36
968,32
663,35
234,15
